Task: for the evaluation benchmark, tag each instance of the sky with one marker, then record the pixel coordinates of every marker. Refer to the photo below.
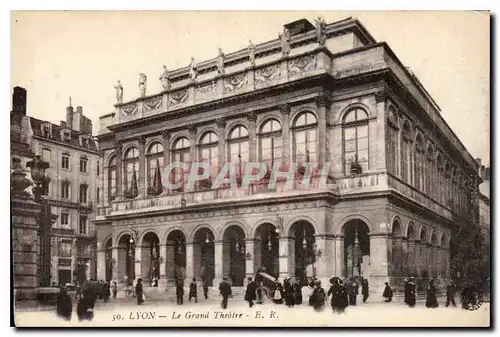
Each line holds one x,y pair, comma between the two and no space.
58,54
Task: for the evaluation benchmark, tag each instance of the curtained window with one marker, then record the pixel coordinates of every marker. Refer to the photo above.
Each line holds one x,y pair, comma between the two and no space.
355,130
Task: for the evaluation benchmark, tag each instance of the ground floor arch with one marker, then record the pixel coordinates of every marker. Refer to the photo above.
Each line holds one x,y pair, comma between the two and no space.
204,255
302,234
356,248
150,259
126,259
266,249
233,253
175,256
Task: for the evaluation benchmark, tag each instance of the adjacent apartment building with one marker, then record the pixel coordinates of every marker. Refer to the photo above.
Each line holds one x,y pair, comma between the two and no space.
404,184
73,184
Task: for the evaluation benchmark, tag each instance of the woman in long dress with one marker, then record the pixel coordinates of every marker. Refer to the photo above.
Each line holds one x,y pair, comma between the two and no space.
278,293
431,300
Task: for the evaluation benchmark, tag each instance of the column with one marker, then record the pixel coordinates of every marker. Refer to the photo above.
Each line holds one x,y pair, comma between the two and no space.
284,268
169,261
323,103
101,264
377,131
192,150
226,259
411,265
137,262
162,282
73,261
285,112
114,254
339,255
325,247
249,258
417,257
252,153
221,128
379,271
404,257
218,257
119,170
257,252
190,260
142,166
166,154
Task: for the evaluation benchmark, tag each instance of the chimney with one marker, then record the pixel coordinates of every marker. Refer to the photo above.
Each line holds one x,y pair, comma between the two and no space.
481,171
69,115
487,174
19,100
77,118
478,161
63,124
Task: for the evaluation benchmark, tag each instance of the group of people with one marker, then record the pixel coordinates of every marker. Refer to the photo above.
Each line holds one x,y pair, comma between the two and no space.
87,293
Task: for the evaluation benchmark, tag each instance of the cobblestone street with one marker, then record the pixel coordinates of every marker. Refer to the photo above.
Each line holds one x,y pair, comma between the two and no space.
208,313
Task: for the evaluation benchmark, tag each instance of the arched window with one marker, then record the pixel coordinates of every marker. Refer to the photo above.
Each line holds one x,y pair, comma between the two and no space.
431,171
238,148
270,142
209,151
83,193
131,166
355,127
440,178
181,154
112,178
419,163
155,165
305,137
406,153
392,141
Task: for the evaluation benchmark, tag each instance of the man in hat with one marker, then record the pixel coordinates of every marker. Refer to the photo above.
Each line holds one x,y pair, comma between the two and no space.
387,293
364,289
406,290
289,292
411,301
138,291
250,293
225,291
450,294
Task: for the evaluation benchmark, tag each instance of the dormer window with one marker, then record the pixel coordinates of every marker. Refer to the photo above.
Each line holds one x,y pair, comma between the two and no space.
84,141
47,130
66,136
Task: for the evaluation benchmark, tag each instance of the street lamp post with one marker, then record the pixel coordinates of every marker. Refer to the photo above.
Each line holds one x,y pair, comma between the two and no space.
38,167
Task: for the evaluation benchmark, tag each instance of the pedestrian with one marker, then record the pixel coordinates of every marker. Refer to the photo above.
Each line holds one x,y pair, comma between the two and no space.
406,290
278,292
179,291
259,293
411,299
431,300
319,296
288,292
364,289
85,307
193,290
114,289
310,290
450,294
225,291
297,289
106,292
250,293
387,293
339,296
138,291
205,288
64,305
353,291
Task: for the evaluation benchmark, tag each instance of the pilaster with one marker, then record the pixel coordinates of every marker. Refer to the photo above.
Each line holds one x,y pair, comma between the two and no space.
285,113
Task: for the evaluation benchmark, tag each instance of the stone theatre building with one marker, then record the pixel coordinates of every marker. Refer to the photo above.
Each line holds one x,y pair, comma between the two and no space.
320,93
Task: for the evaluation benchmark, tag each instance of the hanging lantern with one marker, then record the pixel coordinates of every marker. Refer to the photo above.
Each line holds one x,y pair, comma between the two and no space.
237,245
207,240
269,245
304,241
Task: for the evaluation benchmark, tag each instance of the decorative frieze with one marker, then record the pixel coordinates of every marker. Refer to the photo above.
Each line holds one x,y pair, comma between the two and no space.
235,82
267,73
178,97
302,64
130,108
206,89
152,103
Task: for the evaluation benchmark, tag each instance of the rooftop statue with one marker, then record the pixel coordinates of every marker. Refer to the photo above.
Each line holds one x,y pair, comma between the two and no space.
119,92
320,30
251,52
164,78
143,82
193,71
285,42
220,62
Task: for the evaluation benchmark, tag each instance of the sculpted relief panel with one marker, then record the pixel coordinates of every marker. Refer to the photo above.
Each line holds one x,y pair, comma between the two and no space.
267,73
153,103
302,64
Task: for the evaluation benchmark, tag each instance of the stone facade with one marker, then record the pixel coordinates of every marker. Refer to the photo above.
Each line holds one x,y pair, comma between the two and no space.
403,182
